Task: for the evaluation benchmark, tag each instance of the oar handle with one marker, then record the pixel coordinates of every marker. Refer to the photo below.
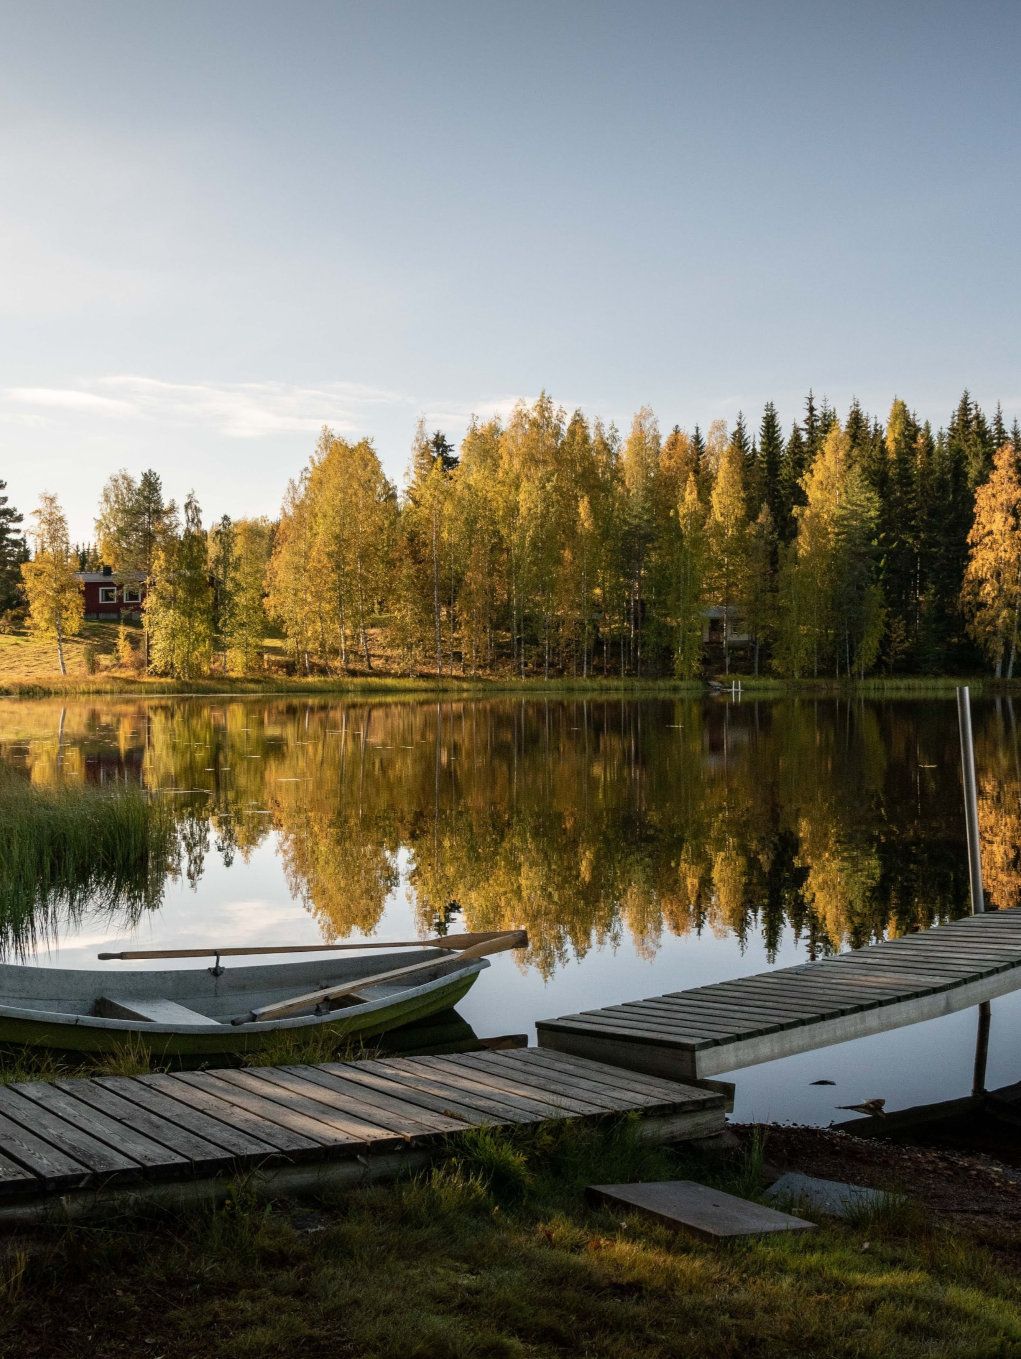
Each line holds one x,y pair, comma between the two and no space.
447,941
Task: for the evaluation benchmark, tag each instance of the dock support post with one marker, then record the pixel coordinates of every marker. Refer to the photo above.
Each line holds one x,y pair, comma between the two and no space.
978,902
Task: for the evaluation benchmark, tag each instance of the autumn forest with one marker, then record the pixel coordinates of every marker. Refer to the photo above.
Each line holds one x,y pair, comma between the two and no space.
553,545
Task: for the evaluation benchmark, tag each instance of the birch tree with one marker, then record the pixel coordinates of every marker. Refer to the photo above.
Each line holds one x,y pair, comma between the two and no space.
56,604
991,594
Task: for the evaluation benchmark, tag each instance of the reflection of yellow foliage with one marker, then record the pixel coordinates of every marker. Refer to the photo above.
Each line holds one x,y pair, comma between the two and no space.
842,878
579,821
729,890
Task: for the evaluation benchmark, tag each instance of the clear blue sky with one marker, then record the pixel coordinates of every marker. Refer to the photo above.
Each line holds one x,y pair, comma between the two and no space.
223,224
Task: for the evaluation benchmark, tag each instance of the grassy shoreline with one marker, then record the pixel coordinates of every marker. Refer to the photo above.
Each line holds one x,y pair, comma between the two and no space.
497,1254
388,685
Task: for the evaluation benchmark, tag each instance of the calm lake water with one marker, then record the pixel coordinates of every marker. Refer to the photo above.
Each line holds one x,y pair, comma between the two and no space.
646,846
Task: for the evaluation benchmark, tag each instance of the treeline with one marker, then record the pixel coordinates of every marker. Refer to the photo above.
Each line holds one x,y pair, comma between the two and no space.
553,545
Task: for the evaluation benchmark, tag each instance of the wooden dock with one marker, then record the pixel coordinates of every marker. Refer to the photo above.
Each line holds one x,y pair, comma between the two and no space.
733,1024
356,1120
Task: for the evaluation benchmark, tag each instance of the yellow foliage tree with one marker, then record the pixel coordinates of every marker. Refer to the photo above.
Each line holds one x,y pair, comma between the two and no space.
991,595
56,604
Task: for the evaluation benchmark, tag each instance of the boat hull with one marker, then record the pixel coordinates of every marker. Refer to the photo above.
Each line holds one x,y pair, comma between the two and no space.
46,1028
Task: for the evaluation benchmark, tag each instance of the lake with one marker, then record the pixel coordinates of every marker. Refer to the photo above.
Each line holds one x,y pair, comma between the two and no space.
646,846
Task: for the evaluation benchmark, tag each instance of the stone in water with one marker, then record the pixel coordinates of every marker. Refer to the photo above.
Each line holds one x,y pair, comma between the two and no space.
826,1196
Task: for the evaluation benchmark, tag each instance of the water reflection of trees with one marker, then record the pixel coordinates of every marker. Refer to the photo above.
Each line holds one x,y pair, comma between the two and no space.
583,821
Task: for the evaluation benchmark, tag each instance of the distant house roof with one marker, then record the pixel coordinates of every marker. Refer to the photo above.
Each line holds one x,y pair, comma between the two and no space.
109,577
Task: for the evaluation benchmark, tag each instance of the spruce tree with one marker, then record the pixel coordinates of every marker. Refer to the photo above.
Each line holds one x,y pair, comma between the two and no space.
793,468
771,463
13,551
812,435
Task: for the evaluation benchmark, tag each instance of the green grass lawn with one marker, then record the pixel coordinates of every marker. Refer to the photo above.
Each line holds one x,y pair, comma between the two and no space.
498,1254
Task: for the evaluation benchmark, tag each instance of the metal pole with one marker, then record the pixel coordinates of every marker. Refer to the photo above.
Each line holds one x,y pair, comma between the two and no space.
978,904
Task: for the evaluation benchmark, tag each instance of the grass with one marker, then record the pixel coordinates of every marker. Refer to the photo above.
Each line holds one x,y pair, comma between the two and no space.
497,1255
63,847
28,668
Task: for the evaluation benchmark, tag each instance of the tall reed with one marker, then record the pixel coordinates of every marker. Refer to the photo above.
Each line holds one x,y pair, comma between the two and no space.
65,849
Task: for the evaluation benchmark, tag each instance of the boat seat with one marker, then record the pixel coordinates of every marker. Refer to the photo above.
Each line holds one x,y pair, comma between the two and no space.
153,1009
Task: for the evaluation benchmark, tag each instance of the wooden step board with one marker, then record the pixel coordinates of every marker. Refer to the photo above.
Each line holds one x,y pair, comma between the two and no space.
712,1029
74,1135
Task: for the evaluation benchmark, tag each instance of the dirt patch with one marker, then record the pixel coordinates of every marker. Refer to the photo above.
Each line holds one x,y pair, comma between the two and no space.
975,1190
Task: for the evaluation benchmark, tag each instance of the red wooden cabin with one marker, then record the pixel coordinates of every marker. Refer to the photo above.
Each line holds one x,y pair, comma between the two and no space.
111,596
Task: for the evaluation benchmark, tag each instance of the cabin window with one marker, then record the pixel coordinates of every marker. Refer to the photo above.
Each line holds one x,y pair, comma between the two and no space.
108,594
132,594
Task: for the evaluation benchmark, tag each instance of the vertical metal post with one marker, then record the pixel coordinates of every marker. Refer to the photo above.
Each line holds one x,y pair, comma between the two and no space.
978,903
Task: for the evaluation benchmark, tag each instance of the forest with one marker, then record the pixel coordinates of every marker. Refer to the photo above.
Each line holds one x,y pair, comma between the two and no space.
554,545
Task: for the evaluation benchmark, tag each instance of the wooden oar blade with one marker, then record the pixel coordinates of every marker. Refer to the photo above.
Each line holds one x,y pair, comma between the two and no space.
282,1009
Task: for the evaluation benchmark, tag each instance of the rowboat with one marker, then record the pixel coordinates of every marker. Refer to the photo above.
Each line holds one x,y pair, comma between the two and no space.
217,1010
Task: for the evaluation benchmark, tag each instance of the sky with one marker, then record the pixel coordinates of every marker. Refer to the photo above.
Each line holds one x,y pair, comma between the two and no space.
223,225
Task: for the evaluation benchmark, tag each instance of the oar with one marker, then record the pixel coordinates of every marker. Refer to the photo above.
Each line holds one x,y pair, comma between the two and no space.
451,941
313,999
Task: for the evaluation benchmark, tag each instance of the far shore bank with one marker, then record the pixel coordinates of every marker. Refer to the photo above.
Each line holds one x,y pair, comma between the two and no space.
500,686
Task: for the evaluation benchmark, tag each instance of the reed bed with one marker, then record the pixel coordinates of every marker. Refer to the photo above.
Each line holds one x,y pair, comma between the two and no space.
65,849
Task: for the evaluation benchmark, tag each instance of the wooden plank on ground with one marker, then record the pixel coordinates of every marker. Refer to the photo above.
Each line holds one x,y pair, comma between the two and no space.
698,1209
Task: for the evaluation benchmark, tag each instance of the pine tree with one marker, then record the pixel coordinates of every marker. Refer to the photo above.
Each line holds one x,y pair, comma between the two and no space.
13,552
792,472
56,604
812,435
771,461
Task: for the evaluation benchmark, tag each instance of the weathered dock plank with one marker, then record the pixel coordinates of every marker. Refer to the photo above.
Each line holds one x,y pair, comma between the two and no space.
723,1027
72,1137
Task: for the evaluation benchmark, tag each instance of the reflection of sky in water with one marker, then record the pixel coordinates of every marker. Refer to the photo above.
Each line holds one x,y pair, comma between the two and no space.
875,776
909,1066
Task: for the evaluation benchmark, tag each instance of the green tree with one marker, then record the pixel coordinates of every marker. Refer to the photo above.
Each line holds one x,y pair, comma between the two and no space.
56,604
178,610
243,614
727,538
689,576
13,553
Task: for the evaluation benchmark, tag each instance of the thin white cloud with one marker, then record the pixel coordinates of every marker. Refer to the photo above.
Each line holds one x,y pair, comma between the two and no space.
460,413
253,410
68,399
241,410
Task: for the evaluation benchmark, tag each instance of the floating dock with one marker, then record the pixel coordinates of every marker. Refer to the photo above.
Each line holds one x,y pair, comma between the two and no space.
719,1028
65,1139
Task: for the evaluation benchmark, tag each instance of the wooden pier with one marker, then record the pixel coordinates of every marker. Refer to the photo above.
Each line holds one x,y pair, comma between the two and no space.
723,1027
65,1139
